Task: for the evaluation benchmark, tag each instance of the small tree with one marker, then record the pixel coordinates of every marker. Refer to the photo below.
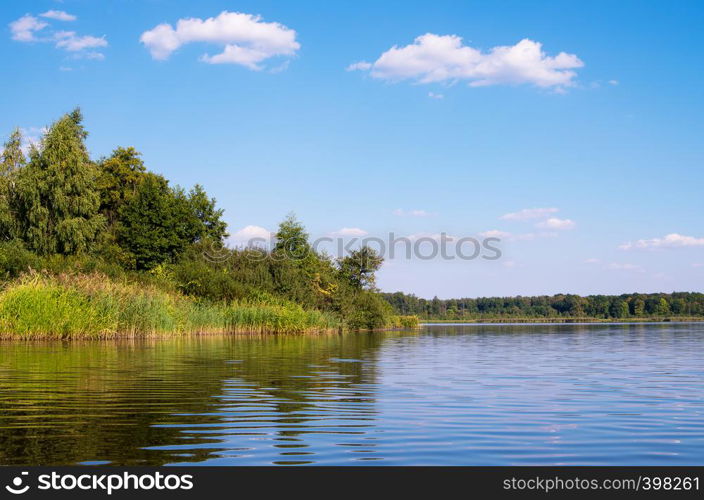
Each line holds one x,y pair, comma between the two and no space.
291,240
663,307
360,266
12,156
638,306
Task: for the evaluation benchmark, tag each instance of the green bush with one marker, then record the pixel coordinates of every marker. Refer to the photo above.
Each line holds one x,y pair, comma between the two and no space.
15,259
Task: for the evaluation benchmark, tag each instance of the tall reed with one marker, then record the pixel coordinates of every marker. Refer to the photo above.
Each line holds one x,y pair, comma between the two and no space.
84,306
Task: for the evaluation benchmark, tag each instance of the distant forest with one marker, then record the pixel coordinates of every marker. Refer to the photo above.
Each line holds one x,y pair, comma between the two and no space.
634,305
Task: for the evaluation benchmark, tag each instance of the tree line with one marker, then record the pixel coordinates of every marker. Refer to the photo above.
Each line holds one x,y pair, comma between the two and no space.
61,211
633,305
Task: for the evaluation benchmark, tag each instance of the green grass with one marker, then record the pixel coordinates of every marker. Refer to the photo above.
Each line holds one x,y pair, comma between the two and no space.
93,306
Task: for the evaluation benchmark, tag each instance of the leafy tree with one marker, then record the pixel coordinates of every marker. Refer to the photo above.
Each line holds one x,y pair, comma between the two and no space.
618,308
11,161
663,307
209,223
360,266
595,306
148,224
678,306
158,223
291,240
638,307
12,156
120,175
56,203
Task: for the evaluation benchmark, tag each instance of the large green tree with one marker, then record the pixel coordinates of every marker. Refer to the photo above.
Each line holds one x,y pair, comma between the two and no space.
148,224
56,201
158,223
209,218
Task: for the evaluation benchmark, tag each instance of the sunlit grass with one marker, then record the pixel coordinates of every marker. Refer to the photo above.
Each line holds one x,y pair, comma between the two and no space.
85,306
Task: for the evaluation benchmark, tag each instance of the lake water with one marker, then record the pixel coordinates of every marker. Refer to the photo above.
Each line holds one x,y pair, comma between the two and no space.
443,395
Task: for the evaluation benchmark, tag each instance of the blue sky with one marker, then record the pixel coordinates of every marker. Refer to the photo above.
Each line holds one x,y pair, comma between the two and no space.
451,134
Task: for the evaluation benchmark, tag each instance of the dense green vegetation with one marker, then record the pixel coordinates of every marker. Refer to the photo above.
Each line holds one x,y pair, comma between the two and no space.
596,307
101,248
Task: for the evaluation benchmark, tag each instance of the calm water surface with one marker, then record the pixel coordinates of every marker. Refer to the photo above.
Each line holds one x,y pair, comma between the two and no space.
445,395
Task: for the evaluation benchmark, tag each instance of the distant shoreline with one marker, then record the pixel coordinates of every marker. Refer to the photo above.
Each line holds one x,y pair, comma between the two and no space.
563,320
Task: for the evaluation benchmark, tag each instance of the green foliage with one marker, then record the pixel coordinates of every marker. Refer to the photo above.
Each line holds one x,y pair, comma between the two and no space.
405,322
12,158
208,223
637,306
15,259
360,266
683,304
56,202
149,226
157,223
369,311
291,241
618,308
119,177
63,214
11,161
663,307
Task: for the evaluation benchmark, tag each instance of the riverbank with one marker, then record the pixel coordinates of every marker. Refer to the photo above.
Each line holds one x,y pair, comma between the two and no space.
565,320
38,306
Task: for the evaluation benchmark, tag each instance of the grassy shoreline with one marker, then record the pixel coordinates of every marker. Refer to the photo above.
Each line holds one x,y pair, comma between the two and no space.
42,306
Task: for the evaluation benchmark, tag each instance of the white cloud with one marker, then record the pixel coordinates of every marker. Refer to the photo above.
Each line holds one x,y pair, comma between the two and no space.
247,40
592,261
672,240
349,231
509,264
431,236
615,266
433,95
23,29
529,213
96,56
527,236
444,58
698,265
80,46
59,15
249,233
69,41
412,213
495,233
359,66
613,82
555,223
